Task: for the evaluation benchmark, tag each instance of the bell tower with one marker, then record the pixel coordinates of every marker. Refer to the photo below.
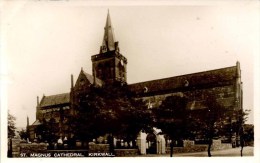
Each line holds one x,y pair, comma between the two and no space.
109,65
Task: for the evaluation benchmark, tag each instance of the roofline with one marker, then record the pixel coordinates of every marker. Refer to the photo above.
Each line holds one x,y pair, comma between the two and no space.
44,96
57,94
51,106
183,75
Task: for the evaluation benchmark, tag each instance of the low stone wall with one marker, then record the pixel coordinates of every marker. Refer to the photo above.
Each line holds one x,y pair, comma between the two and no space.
28,149
195,148
20,149
189,147
216,145
188,143
14,147
99,148
126,152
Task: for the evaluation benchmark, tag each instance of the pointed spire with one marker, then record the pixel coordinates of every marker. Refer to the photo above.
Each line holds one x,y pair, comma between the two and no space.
27,121
109,38
108,22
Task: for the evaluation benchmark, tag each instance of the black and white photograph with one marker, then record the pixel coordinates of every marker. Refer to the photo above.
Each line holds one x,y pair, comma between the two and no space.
128,79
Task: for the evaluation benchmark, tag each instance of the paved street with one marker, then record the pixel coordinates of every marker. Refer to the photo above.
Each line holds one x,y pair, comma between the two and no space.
248,151
233,152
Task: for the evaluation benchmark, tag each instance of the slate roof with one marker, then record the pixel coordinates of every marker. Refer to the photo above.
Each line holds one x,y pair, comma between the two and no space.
36,123
200,79
55,100
64,98
91,79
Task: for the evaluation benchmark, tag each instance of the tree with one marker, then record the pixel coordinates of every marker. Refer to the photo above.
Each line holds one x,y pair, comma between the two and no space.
249,133
47,130
213,116
23,134
108,110
127,115
11,125
239,126
11,132
87,122
171,118
133,119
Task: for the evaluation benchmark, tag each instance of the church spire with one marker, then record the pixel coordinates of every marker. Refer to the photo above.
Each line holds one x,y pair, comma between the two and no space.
109,43
27,121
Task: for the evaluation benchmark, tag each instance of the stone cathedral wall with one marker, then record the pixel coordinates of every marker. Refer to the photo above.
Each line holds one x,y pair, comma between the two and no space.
224,94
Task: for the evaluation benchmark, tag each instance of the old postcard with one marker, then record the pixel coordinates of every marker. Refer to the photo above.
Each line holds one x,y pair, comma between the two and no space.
111,79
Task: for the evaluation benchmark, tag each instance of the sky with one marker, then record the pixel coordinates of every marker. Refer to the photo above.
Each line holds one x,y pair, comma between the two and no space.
43,43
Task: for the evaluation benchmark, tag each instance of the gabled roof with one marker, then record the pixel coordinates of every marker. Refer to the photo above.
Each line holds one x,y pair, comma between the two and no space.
189,81
36,123
90,78
55,100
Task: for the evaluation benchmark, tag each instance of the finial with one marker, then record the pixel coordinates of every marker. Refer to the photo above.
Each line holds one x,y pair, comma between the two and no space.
28,121
238,69
72,82
237,63
37,100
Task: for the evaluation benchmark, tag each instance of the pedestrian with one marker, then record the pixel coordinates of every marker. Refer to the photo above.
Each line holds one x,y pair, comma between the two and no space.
65,142
242,141
171,147
60,143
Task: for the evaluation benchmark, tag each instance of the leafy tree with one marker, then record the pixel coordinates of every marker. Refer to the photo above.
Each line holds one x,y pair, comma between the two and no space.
213,116
93,117
248,133
135,118
171,118
23,134
211,124
47,130
235,125
131,116
11,125
88,117
239,126
108,110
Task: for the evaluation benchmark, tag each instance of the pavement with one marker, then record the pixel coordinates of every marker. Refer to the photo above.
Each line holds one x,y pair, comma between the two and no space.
233,152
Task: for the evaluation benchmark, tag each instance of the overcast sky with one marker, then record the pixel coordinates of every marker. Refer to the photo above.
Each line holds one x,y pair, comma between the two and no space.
44,43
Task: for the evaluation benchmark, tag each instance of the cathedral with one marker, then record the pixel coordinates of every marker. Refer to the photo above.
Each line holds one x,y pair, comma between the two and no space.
109,66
